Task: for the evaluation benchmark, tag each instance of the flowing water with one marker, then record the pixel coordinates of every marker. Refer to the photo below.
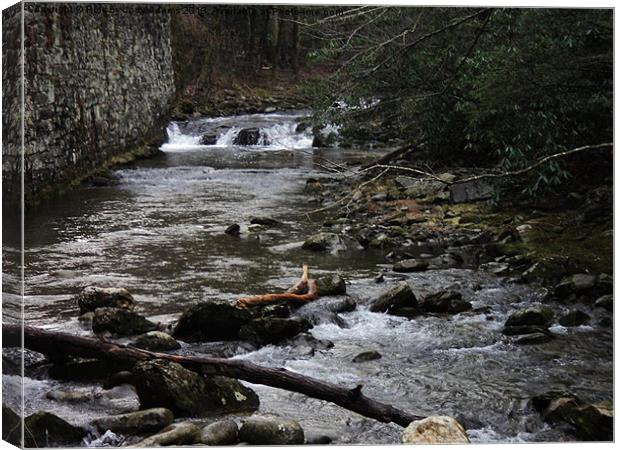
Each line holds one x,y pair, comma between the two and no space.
160,234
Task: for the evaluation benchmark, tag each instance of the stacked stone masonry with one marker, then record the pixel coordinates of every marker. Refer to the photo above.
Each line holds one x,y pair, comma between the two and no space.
98,82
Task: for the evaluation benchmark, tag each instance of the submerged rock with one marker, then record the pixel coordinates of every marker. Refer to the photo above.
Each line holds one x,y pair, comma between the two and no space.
208,139
120,322
327,309
156,341
322,242
271,330
233,229
398,296
48,430
589,422
258,431
450,302
187,393
331,285
11,426
369,355
410,265
574,318
533,315
606,301
533,338
214,320
265,221
94,297
175,434
250,136
223,432
139,422
435,430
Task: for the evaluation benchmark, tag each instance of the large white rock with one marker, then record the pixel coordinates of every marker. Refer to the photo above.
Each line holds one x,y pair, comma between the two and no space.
435,430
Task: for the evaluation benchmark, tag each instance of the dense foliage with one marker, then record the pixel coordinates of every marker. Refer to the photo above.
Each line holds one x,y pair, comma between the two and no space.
500,86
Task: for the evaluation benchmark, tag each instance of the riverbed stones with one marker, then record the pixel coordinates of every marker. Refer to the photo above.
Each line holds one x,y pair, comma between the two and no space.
533,315
575,284
265,221
445,302
398,296
11,426
233,229
574,318
605,301
156,341
368,355
331,285
589,422
410,265
139,422
271,330
213,320
48,430
262,431
222,432
535,338
120,322
94,297
187,393
435,430
176,434
322,242
249,136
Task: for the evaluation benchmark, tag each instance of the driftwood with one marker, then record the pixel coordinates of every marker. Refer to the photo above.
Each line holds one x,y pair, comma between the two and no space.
58,344
304,291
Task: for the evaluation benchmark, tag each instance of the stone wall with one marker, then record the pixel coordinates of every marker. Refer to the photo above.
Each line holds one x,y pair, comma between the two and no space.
99,82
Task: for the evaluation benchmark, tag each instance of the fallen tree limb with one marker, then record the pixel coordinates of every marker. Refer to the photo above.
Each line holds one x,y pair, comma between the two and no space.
304,291
55,344
390,156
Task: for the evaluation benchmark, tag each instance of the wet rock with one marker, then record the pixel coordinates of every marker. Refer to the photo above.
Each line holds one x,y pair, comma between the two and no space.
233,230
533,339
119,399
208,139
574,318
450,302
175,434
139,422
533,315
399,296
265,221
169,385
369,355
548,269
119,378
327,309
11,426
331,285
120,322
410,265
435,430
257,431
214,320
320,439
86,369
575,284
381,241
94,297
86,320
48,430
271,330
523,329
606,301
249,136
156,341
322,242
589,422
223,432
471,191
306,344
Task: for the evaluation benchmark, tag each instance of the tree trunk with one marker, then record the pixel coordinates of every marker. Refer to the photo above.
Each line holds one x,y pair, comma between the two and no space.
54,344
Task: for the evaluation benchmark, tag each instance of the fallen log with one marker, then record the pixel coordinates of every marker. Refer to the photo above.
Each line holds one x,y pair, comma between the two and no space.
304,291
388,157
56,344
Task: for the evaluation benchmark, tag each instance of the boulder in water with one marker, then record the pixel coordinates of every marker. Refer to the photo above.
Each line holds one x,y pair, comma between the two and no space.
176,434
331,285
271,330
606,301
208,139
11,426
156,341
574,318
233,229
259,431
222,432
139,422
94,297
214,320
410,265
533,315
48,430
435,430
398,296
322,242
167,384
369,355
450,302
533,338
250,136
575,284
265,221
120,322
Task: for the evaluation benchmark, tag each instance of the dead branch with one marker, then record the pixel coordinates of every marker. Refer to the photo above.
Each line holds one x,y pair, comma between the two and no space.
53,343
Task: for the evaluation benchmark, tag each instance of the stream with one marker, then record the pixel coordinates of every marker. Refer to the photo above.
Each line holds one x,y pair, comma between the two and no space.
160,234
